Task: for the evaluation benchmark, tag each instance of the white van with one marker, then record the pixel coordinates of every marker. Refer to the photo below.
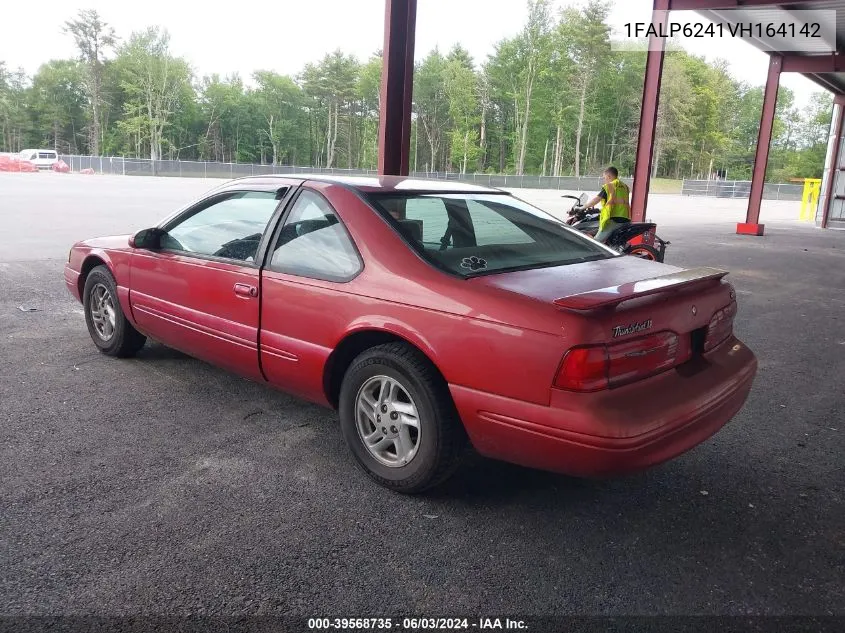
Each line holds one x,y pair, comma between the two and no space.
43,158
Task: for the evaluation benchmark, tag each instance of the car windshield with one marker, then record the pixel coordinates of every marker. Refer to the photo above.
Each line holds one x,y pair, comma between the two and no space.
477,234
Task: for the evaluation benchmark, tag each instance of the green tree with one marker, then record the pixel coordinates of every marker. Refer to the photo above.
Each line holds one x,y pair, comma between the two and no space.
224,114
557,110
619,94
93,38
432,105
155,83
531,51
368,95
461,87
800,148
13,116
672,138
279,100
587,36
330,86
57,105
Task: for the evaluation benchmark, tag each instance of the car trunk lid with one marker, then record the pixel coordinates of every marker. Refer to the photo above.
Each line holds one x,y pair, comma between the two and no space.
628,313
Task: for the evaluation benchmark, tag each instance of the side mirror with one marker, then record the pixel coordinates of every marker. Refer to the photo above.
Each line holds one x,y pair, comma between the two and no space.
582,199
149,239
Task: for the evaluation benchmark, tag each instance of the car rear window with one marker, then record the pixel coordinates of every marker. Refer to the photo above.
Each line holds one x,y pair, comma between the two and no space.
475,234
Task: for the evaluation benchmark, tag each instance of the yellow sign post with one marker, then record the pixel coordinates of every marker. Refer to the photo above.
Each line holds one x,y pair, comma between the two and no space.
810,199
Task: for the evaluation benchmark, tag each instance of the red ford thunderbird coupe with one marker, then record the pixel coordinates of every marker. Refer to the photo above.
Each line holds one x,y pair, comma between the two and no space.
433,316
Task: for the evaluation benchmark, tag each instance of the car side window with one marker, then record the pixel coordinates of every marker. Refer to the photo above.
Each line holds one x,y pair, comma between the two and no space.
230,228
314,242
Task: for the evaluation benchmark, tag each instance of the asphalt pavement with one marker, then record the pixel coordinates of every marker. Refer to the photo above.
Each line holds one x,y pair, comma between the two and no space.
162,485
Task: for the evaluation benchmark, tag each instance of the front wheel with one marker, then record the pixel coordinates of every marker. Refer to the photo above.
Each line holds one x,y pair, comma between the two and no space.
109,328
398,419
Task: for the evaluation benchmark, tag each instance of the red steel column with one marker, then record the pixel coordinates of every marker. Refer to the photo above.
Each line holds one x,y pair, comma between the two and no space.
751,226
648,113
839,101
397,82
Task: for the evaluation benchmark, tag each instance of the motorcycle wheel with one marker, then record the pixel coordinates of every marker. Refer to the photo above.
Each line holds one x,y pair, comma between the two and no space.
644,251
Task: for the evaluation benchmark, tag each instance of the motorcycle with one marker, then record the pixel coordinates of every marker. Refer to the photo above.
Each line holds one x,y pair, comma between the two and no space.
638,239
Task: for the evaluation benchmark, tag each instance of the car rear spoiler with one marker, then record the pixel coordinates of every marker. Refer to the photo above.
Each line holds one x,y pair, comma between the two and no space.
614,295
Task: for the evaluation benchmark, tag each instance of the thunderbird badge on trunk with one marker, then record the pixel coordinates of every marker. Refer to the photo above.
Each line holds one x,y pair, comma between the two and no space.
623,330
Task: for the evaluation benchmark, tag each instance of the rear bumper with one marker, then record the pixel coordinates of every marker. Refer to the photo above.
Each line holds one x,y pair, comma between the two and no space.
72,282
620,431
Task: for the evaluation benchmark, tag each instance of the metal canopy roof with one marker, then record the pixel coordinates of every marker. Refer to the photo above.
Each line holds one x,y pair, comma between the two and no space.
824,68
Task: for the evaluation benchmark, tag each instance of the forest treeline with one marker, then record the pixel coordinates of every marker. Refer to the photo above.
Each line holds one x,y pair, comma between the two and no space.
554,99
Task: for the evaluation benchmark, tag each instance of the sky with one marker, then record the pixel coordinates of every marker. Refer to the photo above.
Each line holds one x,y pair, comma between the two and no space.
284,35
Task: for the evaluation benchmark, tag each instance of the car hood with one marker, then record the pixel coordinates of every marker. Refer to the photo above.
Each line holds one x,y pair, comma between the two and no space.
111,242
548,284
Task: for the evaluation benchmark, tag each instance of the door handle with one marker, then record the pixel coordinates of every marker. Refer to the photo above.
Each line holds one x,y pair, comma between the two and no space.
245,290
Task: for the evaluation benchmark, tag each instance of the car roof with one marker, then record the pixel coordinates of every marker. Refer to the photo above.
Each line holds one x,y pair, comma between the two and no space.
377,184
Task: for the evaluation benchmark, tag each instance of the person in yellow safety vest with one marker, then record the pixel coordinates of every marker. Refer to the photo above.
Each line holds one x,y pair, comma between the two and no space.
615,196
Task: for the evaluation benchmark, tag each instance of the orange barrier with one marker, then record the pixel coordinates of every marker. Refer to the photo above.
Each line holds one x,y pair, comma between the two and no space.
12,163
61,167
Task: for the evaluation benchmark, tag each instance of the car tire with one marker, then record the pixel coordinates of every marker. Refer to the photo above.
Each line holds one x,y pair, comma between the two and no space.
644,251
439,440
109,328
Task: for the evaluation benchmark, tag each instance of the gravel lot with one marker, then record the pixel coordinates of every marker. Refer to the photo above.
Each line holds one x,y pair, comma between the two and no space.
161,485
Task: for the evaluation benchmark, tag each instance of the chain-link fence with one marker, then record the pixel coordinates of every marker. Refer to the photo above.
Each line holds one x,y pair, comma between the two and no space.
205,169
740,189
119,165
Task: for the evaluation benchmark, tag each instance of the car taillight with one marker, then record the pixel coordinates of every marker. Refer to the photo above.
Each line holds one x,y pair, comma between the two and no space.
721,327
646,356
583,369
597,367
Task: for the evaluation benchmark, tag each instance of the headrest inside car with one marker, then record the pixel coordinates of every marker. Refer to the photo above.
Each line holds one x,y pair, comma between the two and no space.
413,229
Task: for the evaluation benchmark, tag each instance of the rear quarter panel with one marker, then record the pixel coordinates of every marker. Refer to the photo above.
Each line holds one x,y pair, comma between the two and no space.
305,321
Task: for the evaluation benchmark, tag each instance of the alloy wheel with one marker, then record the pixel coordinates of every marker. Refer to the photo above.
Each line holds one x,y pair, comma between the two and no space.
103,313
388,421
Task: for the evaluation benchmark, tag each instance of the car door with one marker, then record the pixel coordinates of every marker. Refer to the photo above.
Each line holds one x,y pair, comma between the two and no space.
200,291
312,260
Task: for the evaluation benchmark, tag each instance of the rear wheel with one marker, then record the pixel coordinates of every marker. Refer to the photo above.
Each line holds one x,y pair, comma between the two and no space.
111,332
644,251
398,419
